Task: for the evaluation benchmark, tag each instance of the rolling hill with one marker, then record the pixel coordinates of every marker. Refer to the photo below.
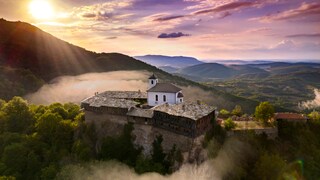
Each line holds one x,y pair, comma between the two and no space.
285,84
169,61
215,71
41,56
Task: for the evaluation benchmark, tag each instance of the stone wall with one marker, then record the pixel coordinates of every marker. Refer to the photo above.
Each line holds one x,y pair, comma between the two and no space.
106,124
144,134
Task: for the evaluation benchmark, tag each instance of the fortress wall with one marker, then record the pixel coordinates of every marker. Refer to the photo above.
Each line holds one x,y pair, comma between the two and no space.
106,124
146,134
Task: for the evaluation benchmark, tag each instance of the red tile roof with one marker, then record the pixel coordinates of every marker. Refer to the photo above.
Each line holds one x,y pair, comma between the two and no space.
289,116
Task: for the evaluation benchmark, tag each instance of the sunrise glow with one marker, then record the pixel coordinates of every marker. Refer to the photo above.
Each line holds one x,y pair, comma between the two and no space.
41,9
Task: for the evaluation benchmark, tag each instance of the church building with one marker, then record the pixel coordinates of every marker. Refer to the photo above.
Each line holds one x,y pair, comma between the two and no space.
160,93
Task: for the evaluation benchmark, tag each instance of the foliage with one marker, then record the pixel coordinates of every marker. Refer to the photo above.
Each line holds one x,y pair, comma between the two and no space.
34,140
229,124
17,116
264,112
237,111
269,166
314,116
224,112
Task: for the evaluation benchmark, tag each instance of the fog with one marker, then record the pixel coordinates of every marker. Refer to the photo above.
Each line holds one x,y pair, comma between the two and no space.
311,104
76,88
231,155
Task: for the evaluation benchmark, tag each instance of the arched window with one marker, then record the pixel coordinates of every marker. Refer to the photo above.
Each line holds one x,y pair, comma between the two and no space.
180,100
164,98
156,97
151,81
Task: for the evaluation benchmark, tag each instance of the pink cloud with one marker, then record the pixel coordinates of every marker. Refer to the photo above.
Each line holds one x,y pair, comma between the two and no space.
304,11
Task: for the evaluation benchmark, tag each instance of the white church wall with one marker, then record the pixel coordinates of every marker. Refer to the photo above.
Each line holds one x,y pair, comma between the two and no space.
170,98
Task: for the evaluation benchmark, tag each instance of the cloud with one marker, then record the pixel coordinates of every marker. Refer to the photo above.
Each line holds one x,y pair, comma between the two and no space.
88,15
168,18
315,35
225,7
306,11
232,155
101,11
76,88
225,14
311,104
285,44
172,35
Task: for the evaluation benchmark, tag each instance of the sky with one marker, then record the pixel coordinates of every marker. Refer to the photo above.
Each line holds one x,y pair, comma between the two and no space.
205,29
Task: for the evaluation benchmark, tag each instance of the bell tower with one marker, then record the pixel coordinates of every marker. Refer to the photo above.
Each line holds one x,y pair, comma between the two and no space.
153,80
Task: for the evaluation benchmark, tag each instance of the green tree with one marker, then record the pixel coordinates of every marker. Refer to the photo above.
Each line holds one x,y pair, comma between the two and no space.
55,131
158,155
15,157
264,111
269,166
314,116
229,124
59,108
18,117
2,103
224,112
237,111
72,109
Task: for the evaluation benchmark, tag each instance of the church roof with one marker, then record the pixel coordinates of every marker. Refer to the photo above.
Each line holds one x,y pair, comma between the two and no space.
180,95
153,77
98,101
138,112
164,87
192,110
121,99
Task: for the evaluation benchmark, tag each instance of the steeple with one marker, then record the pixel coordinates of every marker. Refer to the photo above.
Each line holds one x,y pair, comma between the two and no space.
153,80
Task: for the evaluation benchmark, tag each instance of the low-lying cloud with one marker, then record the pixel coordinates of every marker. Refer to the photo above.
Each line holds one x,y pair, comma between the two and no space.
76,88
311,104
232,155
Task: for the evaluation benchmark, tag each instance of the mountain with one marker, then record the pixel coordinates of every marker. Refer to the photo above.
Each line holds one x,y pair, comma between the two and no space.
31,57
172,61
284,84
239,62
215,71
168,69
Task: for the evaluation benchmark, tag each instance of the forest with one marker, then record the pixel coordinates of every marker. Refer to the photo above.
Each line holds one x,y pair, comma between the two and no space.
37,142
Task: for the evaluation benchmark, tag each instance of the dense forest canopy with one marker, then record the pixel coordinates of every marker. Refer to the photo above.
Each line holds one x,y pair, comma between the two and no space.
37,142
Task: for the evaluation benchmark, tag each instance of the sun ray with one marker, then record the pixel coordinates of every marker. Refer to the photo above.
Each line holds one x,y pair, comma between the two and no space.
41,9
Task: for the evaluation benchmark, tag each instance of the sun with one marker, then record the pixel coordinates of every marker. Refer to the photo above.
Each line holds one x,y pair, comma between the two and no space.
41,9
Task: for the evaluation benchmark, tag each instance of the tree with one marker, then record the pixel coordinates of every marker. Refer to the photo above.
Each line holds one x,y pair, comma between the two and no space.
157,152
224,113
18,117
269,166
314,116
237,111
229,124
264,111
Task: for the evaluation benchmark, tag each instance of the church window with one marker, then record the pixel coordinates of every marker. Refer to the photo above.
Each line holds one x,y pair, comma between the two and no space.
156,97
151,81
164,98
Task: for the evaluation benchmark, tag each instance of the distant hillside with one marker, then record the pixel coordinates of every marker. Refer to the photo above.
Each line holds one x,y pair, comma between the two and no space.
215,71
172,61
240,62
284,84
31,57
